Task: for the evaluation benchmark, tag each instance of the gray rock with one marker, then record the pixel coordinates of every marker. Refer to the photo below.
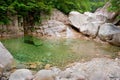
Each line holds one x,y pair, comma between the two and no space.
72,74
21,74
88,23
99,76
110,33
97,18
96,69
44,75
59,16
77,19
6,59
90,29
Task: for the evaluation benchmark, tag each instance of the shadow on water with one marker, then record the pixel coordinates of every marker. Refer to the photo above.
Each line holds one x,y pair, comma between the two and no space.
59,52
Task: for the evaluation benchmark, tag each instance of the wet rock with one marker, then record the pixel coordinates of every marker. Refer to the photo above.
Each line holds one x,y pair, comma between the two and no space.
110,33
44,75
21,74
6,59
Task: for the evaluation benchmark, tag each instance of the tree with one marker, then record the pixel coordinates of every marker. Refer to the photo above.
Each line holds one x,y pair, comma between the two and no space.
29,10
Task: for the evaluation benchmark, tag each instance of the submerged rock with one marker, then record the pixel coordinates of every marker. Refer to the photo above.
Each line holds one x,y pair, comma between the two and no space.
110,33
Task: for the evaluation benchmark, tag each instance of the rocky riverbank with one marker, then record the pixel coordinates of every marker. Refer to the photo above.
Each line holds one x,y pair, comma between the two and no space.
96,69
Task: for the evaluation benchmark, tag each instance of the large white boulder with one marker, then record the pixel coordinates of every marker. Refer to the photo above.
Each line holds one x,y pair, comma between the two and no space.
77,19
90,29
53,28
110,33
88,23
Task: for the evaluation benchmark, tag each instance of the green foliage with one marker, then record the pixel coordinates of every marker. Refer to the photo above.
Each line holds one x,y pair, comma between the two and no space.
68,5
115,5
4,19
25,8
96,4
50,52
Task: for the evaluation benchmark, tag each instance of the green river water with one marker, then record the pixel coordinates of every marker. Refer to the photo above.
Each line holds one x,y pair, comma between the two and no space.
59,52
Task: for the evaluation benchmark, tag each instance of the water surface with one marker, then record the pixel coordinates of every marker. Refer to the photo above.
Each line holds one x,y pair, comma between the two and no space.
59,52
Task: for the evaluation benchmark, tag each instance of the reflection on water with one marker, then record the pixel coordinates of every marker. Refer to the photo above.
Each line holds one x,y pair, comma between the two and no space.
59,52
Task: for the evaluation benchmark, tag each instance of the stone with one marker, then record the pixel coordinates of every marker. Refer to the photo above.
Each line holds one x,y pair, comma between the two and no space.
21,74
87,23
77,76
90,29
6,59
97,18
53,28
77,19
47,66
110,33
44,75
59,16
96,69
99,76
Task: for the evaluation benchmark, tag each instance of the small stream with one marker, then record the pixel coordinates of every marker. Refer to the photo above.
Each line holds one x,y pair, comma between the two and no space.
59,52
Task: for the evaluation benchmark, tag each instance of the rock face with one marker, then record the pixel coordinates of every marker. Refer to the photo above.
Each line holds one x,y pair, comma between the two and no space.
53,28
21,74
56,26
6,59
59,16
110,33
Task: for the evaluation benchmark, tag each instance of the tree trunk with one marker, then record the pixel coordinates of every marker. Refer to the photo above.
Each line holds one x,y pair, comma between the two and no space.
28,25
